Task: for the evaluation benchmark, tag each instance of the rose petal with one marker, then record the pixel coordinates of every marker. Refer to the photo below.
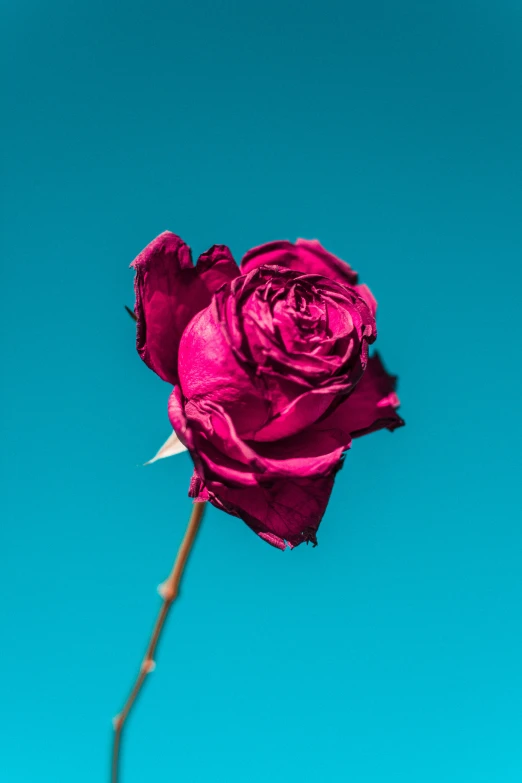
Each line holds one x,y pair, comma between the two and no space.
169,292
216,267
370,407
211,437
215,372
172,446
307,255
298,415
368,297
283,511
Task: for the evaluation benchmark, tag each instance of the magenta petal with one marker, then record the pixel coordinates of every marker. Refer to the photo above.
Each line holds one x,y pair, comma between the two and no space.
169,292
274,540
197,490
216,267
178,419
282,511
370,407
214,371
297,416
307,255
158,267
282,496
209,434
368,297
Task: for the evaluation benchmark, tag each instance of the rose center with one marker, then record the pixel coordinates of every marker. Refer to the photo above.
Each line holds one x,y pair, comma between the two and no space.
300,317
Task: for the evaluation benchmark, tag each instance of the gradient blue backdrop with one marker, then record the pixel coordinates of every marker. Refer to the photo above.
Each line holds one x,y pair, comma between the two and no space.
392,133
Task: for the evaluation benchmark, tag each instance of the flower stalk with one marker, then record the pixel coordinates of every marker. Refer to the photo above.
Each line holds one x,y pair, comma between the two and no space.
169,591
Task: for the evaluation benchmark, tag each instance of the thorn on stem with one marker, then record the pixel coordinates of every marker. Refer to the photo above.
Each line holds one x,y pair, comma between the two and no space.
166,592
148,666
162,590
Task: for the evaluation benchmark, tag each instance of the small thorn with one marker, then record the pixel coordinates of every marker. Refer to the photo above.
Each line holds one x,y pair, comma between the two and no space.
148,666
131,313
162,590
116,722
165,591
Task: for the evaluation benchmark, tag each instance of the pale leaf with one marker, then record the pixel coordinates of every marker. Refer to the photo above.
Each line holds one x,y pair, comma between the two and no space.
172,446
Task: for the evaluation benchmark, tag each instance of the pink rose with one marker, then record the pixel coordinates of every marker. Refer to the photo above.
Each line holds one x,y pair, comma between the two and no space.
271,374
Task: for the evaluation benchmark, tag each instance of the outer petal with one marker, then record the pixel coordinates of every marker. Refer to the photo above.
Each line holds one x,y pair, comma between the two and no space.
307,255
371,406
280,489
216,267
208,368
368,297
299,415
283,512
169,292
209,433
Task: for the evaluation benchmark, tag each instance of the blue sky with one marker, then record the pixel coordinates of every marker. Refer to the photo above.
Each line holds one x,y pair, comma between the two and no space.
391,133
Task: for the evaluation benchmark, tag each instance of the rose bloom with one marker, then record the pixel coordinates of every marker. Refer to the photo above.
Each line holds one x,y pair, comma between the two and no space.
271,374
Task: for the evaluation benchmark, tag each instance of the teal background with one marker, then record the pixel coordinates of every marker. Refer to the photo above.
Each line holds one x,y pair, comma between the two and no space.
392,133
